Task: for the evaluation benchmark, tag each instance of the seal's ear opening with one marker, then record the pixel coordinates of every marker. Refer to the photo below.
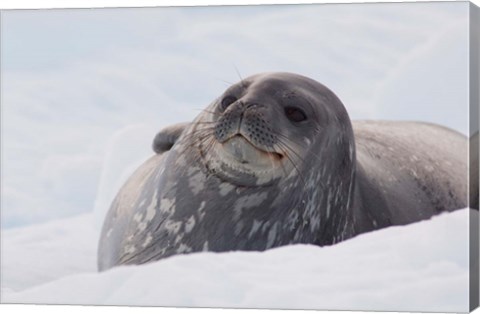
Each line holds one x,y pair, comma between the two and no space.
166,138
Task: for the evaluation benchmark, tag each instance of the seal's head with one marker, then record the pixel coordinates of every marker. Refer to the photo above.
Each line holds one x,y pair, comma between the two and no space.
266,128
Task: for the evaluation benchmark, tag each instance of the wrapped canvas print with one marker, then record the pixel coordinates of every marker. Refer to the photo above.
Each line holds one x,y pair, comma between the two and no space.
319,156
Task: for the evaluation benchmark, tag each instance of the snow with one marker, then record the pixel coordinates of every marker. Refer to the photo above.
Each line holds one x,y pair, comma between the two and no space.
419,267
41,253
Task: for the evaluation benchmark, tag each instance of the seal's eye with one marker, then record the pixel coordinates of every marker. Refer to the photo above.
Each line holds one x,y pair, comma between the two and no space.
295,114
227,101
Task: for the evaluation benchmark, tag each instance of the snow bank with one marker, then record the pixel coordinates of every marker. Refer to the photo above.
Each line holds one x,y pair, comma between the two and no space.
420,267
40,253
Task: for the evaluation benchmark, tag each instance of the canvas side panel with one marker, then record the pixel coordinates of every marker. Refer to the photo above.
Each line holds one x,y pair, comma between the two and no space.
474,97
1,147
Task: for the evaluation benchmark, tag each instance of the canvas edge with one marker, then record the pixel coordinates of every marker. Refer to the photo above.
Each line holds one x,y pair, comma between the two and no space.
474,97
474,140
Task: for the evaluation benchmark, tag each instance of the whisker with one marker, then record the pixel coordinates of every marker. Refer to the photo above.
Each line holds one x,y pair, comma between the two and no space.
209,146
199,138
310,153
281,165
299,157
240,76
205,110
286,138
224,81
270,158
205,128
205,122
287,147
293,164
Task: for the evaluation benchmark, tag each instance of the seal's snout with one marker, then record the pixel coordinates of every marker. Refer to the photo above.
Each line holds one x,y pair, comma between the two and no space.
246,150
248,120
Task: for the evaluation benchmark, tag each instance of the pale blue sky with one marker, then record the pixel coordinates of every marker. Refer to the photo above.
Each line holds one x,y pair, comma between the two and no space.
83,91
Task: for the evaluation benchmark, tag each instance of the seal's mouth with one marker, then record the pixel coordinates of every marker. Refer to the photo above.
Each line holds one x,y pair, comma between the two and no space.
241,163
244,152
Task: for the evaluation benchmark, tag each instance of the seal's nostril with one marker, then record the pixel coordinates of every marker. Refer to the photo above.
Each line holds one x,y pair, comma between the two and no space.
251,104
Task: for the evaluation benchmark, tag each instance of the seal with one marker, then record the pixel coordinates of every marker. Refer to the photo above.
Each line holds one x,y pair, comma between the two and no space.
275,160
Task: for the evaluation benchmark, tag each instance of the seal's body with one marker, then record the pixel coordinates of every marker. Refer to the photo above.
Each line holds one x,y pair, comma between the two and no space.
276,161
406,172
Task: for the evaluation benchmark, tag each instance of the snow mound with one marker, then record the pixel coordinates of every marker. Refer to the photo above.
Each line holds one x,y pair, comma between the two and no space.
40,253
419,267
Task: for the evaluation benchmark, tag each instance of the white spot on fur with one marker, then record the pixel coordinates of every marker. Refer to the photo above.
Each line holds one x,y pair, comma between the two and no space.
292,174
160,172
197,182
148,240
109,232
201,211
205,246
167,205
173,226
293,218
179,147
262,179
129,249
183,248
142,226
256,225
329,202
225,188
272,234
137,217
248,201
178,238
151,208
265,226
189,224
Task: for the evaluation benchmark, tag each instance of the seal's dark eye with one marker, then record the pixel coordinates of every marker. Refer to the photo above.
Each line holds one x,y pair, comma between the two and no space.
227,101
295,114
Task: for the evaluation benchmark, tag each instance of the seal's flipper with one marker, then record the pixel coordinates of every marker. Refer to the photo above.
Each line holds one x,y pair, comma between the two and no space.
165,139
